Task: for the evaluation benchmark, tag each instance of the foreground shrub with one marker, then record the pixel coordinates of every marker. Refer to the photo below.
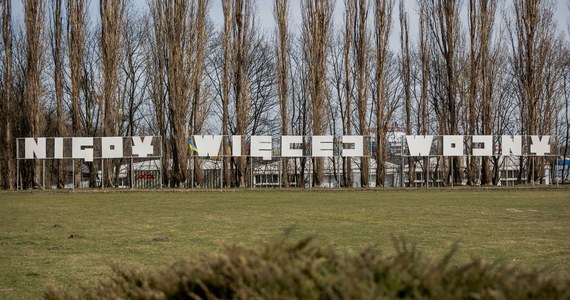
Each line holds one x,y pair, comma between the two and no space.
305,270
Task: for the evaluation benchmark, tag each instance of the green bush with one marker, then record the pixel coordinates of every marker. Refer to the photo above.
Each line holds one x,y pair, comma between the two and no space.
305,270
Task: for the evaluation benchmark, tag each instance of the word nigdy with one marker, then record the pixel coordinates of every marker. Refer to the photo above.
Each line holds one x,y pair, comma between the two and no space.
291,146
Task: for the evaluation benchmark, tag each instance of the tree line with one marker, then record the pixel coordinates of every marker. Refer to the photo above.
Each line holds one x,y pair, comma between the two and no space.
476,67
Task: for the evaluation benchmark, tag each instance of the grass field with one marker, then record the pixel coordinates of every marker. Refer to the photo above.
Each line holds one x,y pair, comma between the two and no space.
67,239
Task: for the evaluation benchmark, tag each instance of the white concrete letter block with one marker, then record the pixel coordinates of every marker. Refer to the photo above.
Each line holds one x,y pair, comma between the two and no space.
261,146
453,145
419,145
32,147
511,146
58,148
208,145
82,147
357,141
540,146
142,148
112,147
487,141
322,145
236,145
287,141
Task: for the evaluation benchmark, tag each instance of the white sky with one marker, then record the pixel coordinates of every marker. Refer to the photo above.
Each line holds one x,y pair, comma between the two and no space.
266,21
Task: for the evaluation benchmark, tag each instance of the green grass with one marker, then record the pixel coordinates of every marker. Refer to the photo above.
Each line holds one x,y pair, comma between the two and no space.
529,228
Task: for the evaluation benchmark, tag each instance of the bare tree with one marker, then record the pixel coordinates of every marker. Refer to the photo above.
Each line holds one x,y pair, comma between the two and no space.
444,27
349,16
262,79
92,102
565,122
58,56
423,121
282,46
8,158
156,73
405,53
227,10
361,55
260,117
533,44
175,26
91,112
300,110
316,25
174,22
502,100
482,18
198,33
111,12
481,21
32,123
76,49
132,80
382,25
243,25
472,94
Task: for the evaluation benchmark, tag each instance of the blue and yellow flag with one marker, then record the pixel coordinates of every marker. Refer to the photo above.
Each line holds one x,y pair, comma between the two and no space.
191,146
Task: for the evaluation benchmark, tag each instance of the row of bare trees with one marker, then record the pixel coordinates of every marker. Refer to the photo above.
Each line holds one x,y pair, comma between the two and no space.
177,58
169,70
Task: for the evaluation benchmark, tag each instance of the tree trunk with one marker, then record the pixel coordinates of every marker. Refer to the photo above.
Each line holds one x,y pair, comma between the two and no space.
227,9
444,24
423,120
383,21
242,34
111,12
348,36
361,46
76,49
405,50
58,82
281,52
8,157
317,21
32,123
198,114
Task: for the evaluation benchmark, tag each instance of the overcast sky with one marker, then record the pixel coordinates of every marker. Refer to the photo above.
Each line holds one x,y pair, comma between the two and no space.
266,21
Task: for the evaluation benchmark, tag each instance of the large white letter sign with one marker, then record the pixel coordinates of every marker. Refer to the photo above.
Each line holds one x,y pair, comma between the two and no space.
261,146
82,148
112,147
287,141
419,145
540,146
32,147
511,146
142,148
452,145
322,145
357,141
487,141
208,145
